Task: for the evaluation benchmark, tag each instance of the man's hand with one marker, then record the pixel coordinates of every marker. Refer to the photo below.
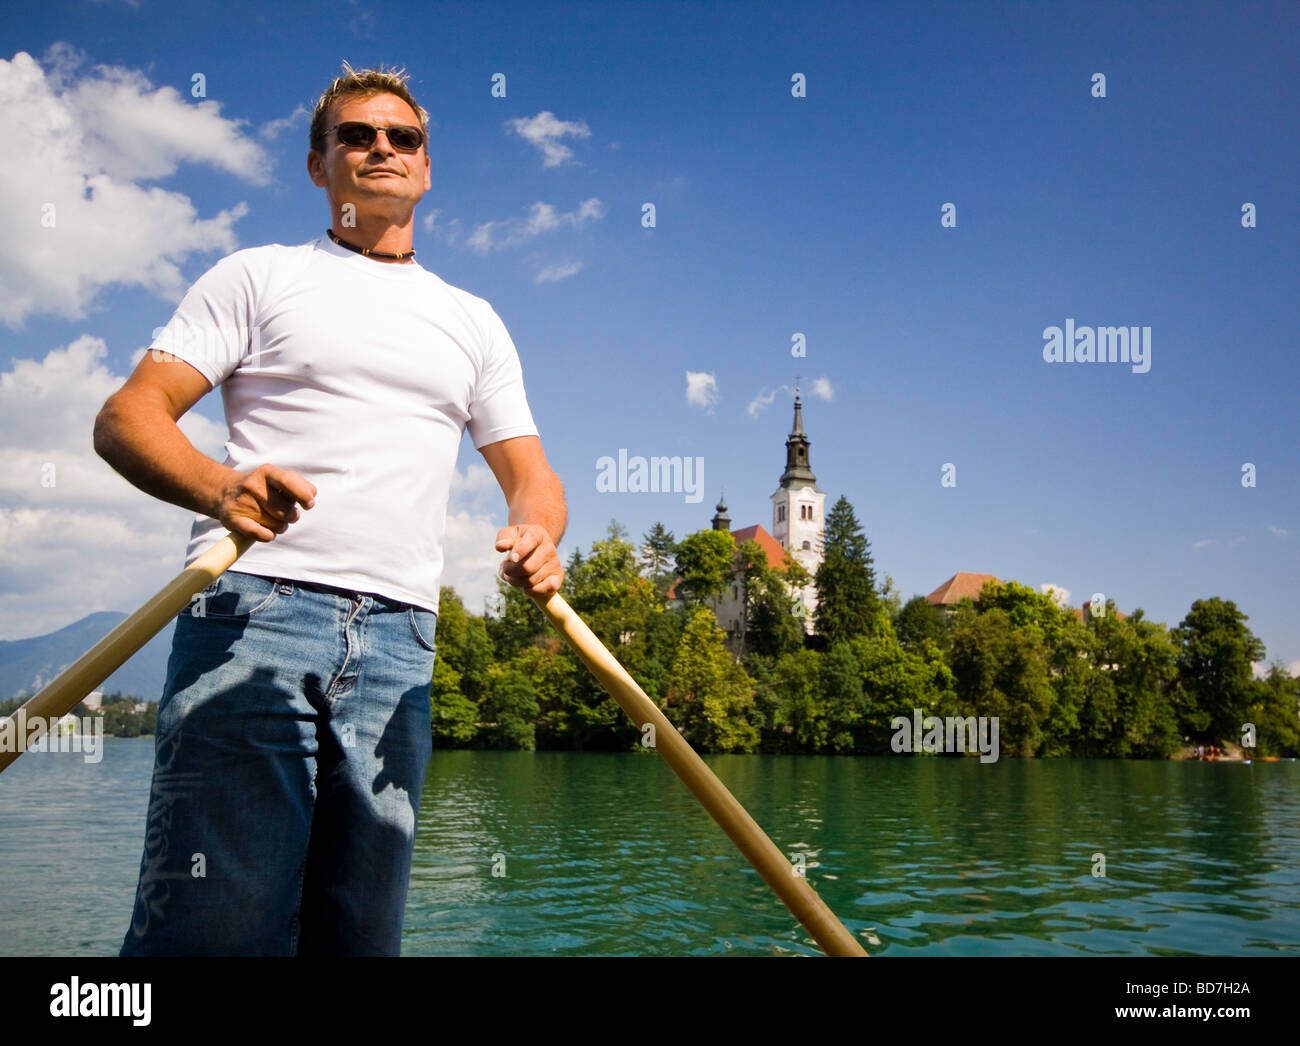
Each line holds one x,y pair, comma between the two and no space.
533,563
264,501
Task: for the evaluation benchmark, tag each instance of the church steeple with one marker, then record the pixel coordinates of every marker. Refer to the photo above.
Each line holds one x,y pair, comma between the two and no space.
798,471
721,521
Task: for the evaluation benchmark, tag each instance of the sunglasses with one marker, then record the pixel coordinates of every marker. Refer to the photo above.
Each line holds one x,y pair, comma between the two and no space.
402,137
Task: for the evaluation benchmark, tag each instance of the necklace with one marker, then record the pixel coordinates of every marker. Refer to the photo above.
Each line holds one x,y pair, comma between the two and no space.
367,251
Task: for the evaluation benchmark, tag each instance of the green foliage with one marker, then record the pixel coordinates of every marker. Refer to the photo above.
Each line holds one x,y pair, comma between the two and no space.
121,717
708,692
919,622
1101,686
799,711
704,563
463,643
511,708
452,714
1139,658
1002,671
894,682
1216,686
1035,613
1275,711
516,622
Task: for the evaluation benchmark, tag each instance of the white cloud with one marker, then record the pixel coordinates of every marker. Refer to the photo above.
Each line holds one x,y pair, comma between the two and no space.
559,272
544,132
78,219
542,218
701,389
1203,543
1278,532
1294,669
90,541
1060,595
821,388
764,399
301,116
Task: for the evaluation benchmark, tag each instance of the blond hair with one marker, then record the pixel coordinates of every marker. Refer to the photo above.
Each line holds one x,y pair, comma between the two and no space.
365,83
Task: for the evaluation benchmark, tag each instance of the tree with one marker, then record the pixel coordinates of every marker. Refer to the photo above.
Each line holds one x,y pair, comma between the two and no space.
553,675
1028,610
1002,671
708,692
1139,657
771,627
1274,712
920,621
704,563
452,715
511,708
621,608
847,601
894,683
516,622
799,705
463,643
657,551
1215,677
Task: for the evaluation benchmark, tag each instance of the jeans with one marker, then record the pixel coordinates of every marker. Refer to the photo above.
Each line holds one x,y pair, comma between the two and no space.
293,738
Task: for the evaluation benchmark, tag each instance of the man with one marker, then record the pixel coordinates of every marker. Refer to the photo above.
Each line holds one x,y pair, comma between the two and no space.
293,731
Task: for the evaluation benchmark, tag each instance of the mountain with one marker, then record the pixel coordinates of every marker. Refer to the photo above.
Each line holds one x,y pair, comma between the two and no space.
26,665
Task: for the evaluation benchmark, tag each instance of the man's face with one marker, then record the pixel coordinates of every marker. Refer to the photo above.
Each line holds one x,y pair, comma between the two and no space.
379,181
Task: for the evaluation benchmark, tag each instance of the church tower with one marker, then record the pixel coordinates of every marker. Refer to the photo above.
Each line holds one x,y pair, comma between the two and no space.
798,509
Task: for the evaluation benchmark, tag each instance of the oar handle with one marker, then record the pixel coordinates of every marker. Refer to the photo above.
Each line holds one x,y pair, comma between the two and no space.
753,842
108,655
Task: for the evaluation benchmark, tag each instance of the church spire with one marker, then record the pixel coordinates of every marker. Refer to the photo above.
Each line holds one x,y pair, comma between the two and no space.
798,471
721,521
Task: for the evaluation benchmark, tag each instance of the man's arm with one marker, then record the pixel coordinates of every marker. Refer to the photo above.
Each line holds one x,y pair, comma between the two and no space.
535,498
136,433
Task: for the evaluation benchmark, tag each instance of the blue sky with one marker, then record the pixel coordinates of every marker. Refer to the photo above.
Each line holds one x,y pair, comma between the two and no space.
774,215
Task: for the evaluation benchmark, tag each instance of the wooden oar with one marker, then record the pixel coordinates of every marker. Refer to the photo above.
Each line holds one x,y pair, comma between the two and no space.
759,850
76,681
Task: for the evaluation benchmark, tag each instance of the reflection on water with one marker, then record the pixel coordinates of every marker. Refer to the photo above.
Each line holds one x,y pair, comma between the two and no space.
609,854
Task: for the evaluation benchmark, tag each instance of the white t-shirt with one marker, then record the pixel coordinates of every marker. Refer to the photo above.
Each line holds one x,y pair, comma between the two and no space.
361,376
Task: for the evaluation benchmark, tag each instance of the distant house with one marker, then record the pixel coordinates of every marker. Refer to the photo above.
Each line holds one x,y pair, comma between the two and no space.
962,585
958,587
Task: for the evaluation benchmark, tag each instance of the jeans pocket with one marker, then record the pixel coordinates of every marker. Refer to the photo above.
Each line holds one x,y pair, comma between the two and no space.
424,626
236,596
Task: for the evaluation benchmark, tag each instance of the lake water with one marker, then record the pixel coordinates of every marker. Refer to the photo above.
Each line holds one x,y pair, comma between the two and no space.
609,854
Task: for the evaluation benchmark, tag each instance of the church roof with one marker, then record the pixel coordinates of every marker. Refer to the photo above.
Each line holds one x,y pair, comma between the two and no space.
769,544
958,587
